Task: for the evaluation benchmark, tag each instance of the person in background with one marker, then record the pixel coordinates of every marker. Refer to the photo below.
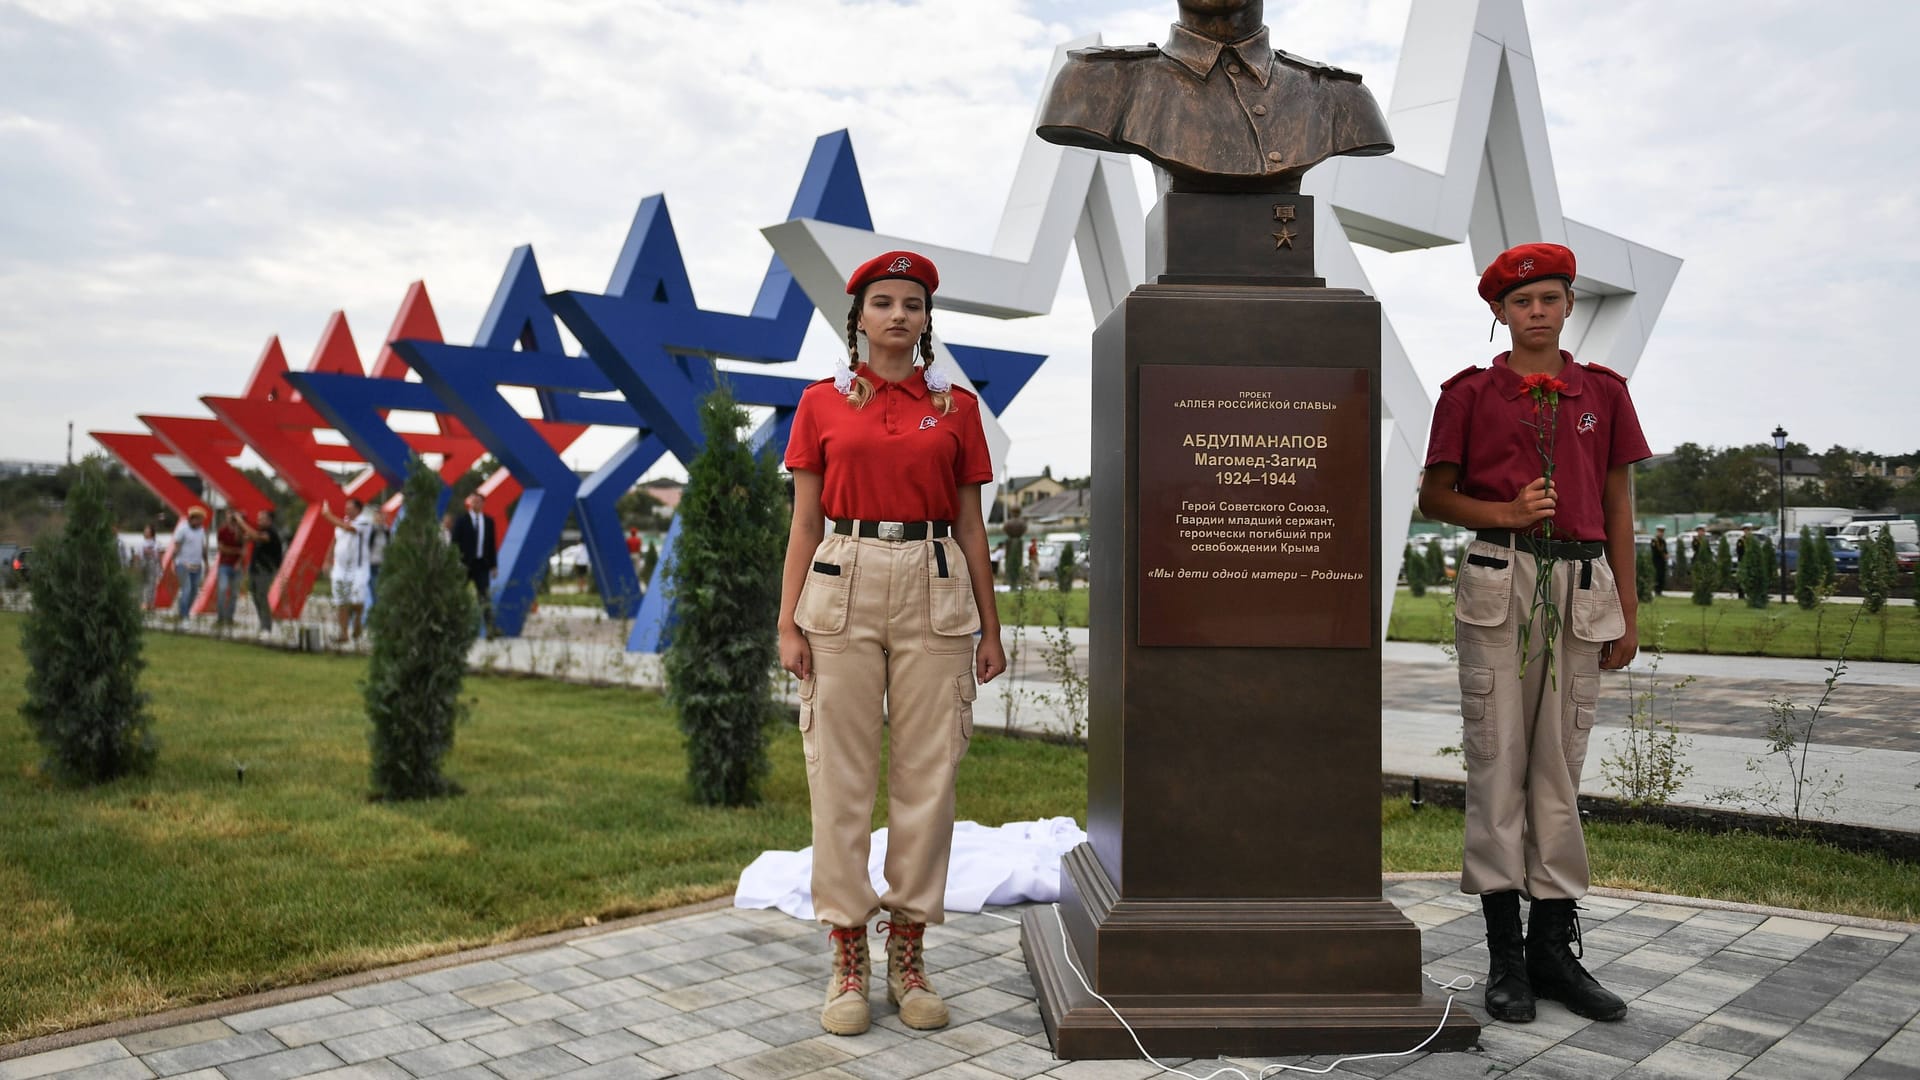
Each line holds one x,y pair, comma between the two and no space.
232,542
1658,552
377,537
190,557
478,542
147,555
446,526
269,551
1702,547
349,568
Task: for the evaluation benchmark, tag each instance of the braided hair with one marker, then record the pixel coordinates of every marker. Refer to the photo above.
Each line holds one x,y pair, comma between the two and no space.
861,391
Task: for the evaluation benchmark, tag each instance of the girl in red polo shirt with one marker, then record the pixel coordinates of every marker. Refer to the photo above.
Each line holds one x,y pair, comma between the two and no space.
878,611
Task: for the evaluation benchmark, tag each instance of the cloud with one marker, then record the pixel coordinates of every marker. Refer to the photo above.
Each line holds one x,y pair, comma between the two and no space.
185,179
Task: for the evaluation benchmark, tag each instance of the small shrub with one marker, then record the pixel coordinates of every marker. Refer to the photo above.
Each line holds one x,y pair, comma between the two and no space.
1416,569
1704,581
1643,577
1063,573
82,641
725,575
1754,579
1806,573
1682,574
1723,573
422,629
1436,563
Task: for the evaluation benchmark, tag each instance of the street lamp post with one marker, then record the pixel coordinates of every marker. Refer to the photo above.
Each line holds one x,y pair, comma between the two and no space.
1780,449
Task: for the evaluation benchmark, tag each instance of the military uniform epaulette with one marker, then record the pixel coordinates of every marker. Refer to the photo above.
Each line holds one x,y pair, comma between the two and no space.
1604,370
1116,52
1314,65
1448,385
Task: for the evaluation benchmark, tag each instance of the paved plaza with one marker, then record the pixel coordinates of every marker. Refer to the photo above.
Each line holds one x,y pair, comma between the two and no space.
1717,990
722,994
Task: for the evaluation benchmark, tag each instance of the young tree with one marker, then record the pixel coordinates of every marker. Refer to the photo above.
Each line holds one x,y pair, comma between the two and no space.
1806,572
1723,565
1877,570
725,574
1705,578
1753,574
1416,570
82,640
1643,577
1063,573
1823,559
1889,557
1682,574
1436,563
422,628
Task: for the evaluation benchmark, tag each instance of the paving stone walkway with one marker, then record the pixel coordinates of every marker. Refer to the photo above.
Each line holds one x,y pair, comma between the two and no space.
734,995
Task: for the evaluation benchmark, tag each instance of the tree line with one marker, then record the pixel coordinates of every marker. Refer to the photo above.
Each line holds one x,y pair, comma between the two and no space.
1741,479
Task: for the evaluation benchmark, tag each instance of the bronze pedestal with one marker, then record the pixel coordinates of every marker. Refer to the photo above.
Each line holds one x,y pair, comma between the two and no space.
1229,899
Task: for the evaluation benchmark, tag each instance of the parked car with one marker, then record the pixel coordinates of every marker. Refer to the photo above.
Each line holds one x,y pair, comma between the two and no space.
569,561
1907,556
1846,555
18,566
7,552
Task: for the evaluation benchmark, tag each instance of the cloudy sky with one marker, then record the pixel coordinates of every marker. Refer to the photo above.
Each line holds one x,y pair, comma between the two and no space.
180,179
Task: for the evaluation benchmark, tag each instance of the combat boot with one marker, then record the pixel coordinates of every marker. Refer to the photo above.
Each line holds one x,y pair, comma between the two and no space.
1553,932
846,1011
907,986
1509,993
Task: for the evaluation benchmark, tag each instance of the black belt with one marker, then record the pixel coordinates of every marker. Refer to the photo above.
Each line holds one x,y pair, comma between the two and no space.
894,530
1542,547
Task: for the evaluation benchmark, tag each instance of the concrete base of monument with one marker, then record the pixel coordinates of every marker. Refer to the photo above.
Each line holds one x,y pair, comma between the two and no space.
1205,977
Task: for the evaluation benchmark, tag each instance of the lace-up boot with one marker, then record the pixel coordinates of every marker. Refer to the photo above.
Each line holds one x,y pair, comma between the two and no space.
846,1011
1509,994
907,986
1553,932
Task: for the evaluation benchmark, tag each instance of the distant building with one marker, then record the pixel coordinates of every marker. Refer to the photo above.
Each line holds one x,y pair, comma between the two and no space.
667,492
1064,511
1024,491
28,468
1799,471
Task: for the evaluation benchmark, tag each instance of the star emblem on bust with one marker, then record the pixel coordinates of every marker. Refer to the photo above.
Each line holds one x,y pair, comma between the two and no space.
1283,238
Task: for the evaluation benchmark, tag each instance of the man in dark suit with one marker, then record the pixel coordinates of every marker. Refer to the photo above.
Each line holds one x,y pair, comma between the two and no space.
478,543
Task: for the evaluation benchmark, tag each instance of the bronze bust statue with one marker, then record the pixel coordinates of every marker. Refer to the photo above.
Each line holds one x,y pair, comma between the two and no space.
1217,107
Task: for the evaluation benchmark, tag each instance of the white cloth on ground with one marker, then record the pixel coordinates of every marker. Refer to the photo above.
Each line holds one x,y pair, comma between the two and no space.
1015,863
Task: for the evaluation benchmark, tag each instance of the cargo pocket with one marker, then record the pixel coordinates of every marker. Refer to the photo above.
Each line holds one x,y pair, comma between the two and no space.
822,608
1483,594
1596,603
965,690
1477,736
1583,694
952,617
809,741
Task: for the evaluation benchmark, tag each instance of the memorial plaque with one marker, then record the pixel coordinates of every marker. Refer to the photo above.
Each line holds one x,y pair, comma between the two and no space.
1255,506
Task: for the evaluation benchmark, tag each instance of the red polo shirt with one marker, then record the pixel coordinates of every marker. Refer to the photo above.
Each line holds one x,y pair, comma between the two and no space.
1481,424
896,458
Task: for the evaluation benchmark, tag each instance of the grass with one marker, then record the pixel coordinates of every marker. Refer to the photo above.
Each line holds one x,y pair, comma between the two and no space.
190,885
1728,628
1740,867
1043,607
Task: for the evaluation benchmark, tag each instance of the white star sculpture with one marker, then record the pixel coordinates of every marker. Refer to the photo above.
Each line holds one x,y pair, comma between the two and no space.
1471,164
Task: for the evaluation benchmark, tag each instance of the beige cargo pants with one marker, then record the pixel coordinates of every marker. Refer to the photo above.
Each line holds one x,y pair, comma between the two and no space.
890,624
1525,738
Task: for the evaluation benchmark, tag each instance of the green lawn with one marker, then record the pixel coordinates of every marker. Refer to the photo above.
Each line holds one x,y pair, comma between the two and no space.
1729,627
1044,607
190,885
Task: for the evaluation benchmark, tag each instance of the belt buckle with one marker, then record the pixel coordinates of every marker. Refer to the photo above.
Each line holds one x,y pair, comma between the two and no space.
890,530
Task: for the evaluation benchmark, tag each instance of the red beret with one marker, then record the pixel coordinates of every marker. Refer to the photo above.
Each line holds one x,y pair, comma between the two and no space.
895,264
1524,265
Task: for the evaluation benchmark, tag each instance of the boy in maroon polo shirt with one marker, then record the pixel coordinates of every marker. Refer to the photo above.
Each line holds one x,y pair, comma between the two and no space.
1531,644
